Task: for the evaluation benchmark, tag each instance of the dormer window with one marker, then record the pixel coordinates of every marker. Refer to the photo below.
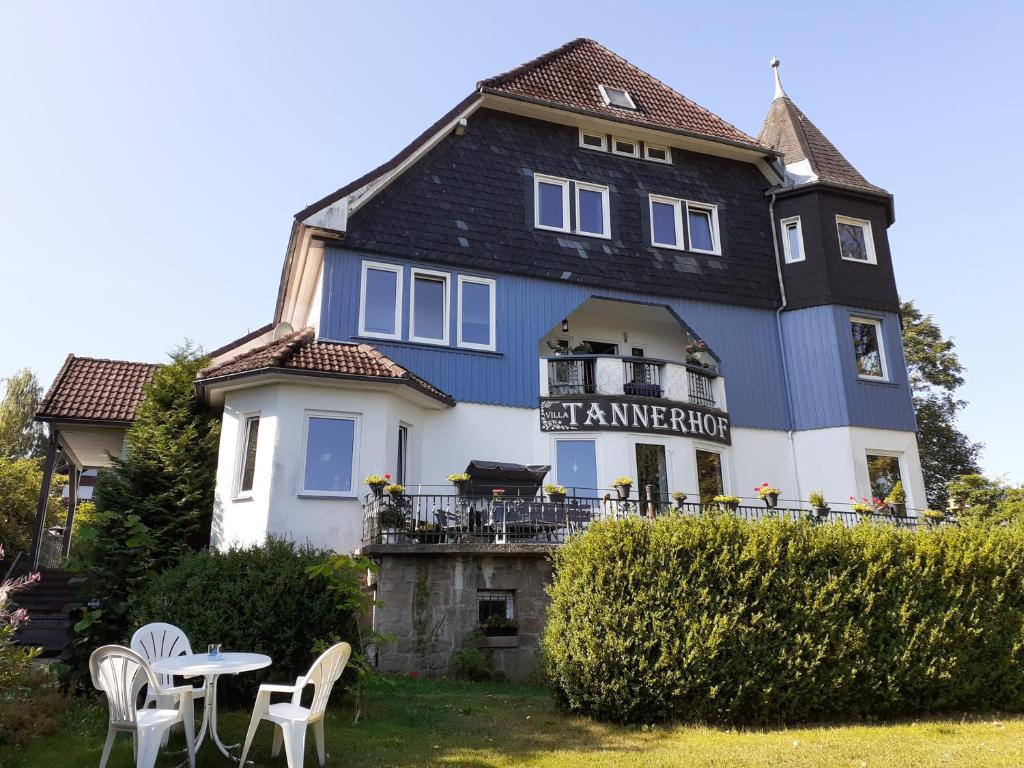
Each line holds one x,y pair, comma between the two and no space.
625,147
855,240
616,97
593,141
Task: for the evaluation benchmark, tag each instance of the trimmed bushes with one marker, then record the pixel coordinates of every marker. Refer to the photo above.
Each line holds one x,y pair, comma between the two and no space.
719,620
258,599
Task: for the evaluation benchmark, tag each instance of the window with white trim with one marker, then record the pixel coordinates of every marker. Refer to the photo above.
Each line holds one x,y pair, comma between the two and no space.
329,465
626,147
616,97
868,349
247,456
551,203
380,301
592,214
657,154
666,221
476,306
429,308
855,240
593,140
792,239
883,472
710,482
702,226
402,463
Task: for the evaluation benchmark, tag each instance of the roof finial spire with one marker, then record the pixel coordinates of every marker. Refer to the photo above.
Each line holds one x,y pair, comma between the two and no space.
778,83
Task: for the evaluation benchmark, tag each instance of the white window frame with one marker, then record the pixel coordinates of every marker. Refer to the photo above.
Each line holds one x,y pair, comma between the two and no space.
716,238
578,437
901,458
881,348
383,267
785,224
634,142
869,240
603,137
723,459
447,278
677,206
402,477
605,209
356,432
243,450
667,151
608,102
492,345
538,178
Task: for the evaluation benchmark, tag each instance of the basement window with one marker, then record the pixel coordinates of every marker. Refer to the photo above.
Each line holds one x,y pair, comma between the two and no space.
497,603
616,97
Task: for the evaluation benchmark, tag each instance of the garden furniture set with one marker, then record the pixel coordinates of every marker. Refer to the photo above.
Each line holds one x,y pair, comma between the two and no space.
160,652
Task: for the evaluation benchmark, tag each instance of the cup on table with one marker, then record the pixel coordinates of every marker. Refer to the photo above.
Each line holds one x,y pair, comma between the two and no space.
213,649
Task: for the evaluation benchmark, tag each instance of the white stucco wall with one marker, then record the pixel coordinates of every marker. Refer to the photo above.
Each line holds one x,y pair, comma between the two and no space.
445,440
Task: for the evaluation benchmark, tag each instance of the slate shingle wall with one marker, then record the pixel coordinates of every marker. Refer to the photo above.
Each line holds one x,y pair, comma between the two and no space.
469,203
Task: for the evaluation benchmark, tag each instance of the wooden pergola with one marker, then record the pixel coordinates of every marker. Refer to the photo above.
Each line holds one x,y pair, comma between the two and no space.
87,410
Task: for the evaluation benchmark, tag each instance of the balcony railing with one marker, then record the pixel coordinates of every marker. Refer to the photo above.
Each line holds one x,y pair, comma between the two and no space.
701,388
571,376
430,520
641,377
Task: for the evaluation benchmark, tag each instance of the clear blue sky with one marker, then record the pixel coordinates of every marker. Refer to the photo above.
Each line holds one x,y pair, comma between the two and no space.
152,154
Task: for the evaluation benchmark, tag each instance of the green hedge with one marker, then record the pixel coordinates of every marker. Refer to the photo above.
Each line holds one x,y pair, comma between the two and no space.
718,620
258,599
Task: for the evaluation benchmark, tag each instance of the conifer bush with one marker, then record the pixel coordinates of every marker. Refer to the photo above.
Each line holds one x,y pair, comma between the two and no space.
720,620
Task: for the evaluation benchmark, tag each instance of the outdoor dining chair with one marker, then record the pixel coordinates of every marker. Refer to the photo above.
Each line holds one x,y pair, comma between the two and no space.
157,641
291,718
121,674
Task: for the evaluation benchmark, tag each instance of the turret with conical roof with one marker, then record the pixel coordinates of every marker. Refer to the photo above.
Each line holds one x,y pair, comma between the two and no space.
830,221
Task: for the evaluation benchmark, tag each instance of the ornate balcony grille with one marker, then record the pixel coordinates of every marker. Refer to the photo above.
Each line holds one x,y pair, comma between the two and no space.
571,376
702,390
641,377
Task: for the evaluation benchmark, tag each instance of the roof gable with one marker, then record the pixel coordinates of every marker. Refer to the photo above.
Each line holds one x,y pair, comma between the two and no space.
571,76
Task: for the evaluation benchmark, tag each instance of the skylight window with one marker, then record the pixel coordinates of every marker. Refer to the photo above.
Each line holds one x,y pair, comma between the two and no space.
616,97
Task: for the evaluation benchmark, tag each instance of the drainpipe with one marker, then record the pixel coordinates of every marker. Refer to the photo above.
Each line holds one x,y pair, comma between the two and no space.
782,349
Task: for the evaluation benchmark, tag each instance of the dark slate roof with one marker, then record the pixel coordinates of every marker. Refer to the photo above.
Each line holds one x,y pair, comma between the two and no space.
467,203
787,129
569,76
301,352
91,389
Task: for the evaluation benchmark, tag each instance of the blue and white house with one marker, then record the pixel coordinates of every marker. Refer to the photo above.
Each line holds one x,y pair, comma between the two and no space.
580,271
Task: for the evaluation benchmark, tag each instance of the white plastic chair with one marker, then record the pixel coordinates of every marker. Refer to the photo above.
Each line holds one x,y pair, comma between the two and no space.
121,673
291,718
157,641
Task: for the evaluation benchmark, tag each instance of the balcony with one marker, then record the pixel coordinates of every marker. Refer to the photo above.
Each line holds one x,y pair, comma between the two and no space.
454,523
573,375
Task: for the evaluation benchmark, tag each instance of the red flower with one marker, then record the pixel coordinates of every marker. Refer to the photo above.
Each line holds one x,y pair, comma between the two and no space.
387,476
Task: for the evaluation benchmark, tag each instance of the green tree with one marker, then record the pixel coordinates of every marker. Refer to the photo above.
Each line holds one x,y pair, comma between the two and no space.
20,480
153,505
976,497
935,376
21,436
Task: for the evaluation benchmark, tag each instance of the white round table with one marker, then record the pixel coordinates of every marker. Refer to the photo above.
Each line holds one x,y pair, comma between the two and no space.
202,664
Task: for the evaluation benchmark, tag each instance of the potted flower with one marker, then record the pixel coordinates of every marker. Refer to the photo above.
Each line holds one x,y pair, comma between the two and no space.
769,495
727,503
499,626
377,483
679,497
933,517
897,500
556,493
818,505
695,353
866,507
395,490
622,485
391,520
461,482
497,493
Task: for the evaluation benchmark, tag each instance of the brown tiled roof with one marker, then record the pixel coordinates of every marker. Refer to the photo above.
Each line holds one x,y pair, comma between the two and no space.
300,351
91,389
569,76
789,131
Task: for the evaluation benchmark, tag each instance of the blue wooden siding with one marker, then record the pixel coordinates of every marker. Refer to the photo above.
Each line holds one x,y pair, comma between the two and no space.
826,391
746,339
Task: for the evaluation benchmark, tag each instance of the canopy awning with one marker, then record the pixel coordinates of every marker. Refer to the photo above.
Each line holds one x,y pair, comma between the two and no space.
516,479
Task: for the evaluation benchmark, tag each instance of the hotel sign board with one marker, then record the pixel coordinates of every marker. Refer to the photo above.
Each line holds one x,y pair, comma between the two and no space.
599,413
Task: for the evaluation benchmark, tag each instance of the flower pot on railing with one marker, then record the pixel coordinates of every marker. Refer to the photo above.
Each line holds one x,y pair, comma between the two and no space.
622,491
462,487
771,500
556,498
377,490
820,513
897,510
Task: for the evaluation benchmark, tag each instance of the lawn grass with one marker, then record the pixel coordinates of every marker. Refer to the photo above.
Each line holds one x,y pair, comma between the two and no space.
431,723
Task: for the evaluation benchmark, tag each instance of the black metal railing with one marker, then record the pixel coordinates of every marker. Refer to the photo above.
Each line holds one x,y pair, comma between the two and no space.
641,377
702,391
571,376
433,519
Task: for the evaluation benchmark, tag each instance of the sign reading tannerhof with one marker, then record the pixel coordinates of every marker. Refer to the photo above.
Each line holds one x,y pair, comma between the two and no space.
627,414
